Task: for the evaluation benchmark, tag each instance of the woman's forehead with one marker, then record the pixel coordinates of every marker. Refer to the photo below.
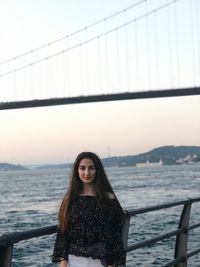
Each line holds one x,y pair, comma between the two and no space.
86,161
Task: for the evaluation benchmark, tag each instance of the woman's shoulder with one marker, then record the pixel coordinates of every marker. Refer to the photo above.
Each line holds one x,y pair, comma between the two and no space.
110,195
112,201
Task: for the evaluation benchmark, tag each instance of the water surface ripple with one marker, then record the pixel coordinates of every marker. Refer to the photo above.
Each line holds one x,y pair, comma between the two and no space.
30,199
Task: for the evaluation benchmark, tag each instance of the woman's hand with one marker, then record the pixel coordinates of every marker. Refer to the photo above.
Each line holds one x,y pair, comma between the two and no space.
64,263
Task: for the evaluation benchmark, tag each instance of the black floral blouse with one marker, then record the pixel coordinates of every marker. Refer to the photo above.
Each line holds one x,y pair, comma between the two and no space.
95,231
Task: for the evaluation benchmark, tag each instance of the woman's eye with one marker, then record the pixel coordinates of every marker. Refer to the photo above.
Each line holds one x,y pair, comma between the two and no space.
82,168
92,168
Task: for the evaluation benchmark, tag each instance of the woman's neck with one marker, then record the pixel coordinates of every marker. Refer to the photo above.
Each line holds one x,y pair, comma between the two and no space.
88,189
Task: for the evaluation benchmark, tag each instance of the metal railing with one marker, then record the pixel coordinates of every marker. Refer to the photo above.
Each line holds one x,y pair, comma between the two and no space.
181,253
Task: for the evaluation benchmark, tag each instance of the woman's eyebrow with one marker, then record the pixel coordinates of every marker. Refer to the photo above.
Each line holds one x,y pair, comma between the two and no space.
86,166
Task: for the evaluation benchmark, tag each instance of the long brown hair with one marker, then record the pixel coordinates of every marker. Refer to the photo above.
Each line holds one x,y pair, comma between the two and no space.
102,188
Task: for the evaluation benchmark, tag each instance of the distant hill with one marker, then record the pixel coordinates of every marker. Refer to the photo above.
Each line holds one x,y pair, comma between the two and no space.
53,166
165,155
11,167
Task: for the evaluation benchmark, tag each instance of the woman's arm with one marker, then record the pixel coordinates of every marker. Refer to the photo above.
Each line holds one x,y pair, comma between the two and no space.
60,252
64,263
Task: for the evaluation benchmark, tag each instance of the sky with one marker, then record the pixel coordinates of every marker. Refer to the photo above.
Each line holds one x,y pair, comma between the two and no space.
57,134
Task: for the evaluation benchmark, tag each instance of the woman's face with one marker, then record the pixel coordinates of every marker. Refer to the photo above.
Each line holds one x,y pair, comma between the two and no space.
86,171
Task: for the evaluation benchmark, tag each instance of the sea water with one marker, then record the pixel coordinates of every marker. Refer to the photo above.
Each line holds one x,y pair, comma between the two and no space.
30,199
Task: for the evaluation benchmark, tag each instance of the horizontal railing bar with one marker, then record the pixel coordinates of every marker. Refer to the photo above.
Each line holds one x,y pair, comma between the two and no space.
15,237
190,91
194,252
153,240
134,212
173,262
11,238
181,259
193,226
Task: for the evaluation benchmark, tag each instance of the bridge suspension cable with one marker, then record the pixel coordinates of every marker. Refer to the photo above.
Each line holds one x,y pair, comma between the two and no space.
73,33
84,42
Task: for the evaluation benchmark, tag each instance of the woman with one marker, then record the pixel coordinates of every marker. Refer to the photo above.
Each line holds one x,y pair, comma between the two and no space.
90,219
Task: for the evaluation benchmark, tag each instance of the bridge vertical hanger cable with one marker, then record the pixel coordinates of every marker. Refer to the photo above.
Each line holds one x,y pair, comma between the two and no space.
83,52
64,74
126,53
15,82
68,80
197,9
148,49
136,59
117,77
31,78
198,39
177,44
2,87
98,83
87,86
46,75
171,84
107,73
81,90
49,71
156,50
193,42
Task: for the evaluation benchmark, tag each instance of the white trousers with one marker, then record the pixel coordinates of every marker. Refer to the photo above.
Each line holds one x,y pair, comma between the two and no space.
74,261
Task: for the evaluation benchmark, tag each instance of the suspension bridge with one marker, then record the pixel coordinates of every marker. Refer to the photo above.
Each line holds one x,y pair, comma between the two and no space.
149,49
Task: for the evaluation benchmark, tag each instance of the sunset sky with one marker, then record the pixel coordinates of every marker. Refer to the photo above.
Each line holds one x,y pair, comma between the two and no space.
56,134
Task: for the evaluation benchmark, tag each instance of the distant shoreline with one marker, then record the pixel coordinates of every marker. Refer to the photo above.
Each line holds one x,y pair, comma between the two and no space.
11,167
165,155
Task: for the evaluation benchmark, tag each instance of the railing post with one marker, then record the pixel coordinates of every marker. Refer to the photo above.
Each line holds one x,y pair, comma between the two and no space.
125,229
6,255
182,238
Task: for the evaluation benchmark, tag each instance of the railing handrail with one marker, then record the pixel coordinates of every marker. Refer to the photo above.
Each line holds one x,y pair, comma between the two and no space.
181,255
134,212
15,237
153,240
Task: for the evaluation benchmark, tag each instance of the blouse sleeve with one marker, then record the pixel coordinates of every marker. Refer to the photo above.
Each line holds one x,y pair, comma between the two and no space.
118,256
61,247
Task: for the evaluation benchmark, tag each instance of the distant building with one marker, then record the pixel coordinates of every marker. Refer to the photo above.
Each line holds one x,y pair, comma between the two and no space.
189,159
149,164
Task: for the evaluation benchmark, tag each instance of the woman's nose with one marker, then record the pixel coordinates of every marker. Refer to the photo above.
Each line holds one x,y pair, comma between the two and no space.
86,171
